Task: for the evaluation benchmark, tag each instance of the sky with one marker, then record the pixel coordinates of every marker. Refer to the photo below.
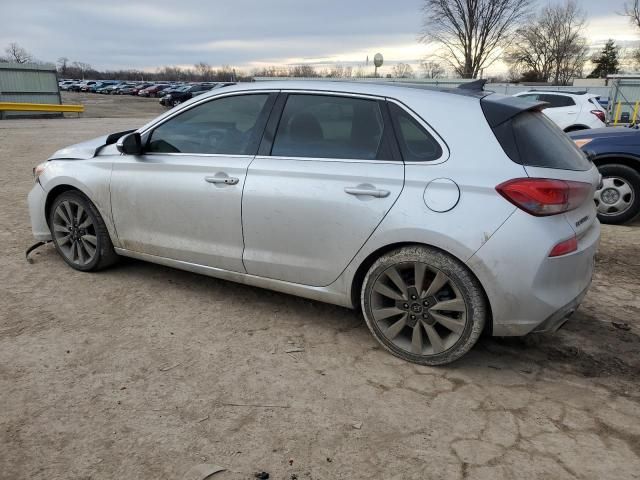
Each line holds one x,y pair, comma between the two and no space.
246,34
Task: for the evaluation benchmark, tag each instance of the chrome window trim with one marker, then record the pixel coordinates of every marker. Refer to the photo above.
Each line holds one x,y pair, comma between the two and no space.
333,93
336,160
446,153
180,154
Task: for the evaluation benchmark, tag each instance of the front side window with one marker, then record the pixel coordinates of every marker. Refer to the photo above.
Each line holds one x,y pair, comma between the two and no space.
228,125
325,126
416,144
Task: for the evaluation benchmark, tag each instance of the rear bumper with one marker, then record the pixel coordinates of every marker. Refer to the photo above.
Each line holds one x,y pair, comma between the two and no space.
556,320
527,290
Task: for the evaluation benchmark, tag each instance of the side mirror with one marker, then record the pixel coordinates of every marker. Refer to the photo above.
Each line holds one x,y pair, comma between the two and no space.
130,144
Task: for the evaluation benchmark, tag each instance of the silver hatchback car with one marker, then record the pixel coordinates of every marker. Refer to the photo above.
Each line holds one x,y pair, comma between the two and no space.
439,213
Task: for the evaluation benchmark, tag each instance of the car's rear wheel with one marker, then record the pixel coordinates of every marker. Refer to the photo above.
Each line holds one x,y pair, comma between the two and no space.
79,233
423,305
618,200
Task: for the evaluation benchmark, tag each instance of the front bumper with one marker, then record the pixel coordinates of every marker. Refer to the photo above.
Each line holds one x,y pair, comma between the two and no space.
529,291
36,199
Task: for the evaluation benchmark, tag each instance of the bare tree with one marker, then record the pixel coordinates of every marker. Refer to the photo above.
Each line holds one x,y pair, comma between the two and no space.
204,71
632,10
339,71
15,53
551,46
81,68
402,70
303,71
431,69
62,66
471,32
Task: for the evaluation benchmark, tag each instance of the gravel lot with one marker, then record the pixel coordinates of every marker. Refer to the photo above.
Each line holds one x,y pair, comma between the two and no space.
142,372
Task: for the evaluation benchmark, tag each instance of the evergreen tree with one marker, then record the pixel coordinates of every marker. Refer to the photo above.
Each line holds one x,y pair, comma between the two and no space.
607,62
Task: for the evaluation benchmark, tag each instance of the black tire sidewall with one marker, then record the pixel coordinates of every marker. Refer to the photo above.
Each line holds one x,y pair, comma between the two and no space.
91,211
633,178
465,282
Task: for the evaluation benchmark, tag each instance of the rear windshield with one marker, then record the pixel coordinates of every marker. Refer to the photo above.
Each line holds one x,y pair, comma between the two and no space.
532,140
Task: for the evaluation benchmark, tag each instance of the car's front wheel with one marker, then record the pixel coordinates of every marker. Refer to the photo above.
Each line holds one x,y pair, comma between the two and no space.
618,200
79,233
423,305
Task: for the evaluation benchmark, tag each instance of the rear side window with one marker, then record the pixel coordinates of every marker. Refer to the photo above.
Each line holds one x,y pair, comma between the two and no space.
326,126
416,144
556,101
532,140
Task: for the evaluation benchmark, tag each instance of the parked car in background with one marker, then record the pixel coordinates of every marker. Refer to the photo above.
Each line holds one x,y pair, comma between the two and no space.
86,86
616,153
153,90
76,87
125,89
570,110
103,84
179,95
108,87
358,194
138,87
64,85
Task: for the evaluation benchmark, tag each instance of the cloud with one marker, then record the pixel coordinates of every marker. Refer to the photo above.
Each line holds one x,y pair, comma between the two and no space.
150,33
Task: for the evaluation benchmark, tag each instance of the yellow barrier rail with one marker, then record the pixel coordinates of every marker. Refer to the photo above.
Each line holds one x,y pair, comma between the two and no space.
40,107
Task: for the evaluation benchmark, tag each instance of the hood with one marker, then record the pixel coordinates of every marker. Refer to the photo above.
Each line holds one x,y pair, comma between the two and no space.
88,149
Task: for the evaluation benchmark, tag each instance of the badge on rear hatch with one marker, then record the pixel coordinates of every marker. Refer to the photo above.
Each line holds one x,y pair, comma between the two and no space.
582,220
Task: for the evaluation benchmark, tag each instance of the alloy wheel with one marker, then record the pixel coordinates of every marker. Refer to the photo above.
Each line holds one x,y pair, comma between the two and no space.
418,308
75,232
615,197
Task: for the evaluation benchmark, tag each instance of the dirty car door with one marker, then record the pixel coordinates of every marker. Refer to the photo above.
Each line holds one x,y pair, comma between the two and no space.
317,191
181,199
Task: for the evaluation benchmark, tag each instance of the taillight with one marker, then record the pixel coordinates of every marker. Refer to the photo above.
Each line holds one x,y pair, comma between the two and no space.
600,115
544,196
564,247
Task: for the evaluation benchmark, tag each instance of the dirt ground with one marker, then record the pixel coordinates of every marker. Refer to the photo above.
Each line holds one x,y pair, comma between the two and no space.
143,372
113,106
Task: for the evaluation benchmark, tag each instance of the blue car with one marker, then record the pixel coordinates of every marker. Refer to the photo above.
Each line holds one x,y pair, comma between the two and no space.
616,153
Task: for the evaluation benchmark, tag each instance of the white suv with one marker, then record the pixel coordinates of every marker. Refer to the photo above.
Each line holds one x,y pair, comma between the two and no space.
570,110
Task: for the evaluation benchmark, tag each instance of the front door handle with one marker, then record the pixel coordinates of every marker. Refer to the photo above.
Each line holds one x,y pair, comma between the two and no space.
372,192
224,180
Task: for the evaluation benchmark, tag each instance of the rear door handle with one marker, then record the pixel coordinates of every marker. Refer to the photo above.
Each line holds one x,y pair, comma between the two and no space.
372,192
225,180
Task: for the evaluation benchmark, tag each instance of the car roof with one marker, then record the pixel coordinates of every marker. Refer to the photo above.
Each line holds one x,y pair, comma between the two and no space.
374,88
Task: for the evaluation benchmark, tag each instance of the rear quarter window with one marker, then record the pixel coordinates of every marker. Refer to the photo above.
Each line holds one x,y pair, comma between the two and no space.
416,144
532,140
557,101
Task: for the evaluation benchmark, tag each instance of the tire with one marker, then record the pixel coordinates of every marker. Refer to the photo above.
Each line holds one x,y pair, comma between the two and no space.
85,245
624,183
446,282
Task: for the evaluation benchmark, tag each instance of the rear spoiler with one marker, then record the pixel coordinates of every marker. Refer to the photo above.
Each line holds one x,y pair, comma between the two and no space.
498,109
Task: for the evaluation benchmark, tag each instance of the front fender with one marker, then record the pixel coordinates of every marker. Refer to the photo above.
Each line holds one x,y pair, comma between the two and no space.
91,177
